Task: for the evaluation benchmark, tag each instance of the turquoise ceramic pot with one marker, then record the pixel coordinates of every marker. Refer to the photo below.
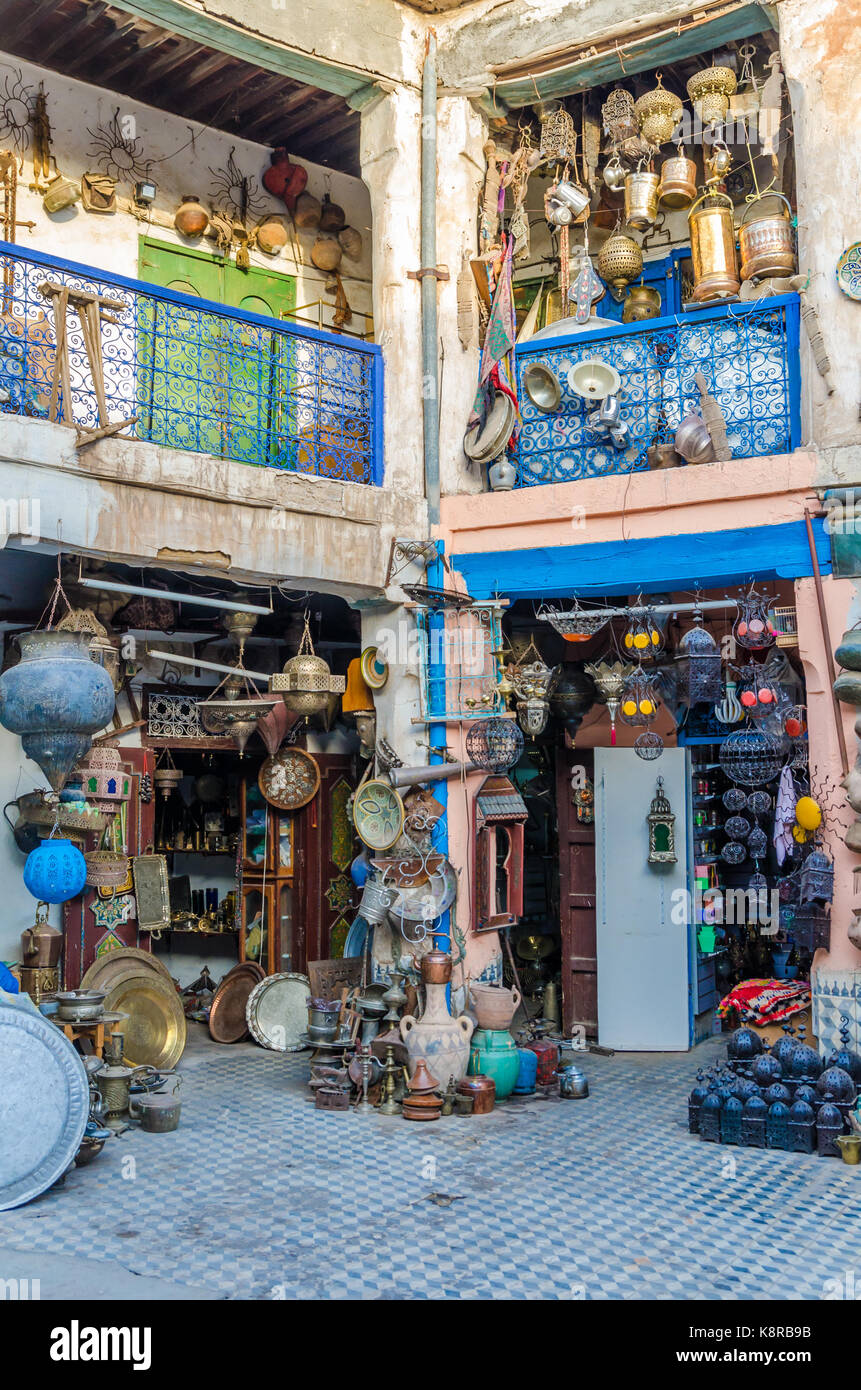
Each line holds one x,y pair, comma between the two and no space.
493,1053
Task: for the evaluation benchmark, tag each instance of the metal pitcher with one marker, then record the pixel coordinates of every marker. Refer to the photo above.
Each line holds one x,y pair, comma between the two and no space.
678,186
713,247
641,199
41,944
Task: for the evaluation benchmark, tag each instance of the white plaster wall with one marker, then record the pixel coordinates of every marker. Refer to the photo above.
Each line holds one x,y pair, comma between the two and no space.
180,155
18,775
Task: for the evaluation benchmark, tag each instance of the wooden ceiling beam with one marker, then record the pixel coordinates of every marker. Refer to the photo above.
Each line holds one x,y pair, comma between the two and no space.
321,112
28,21
208,99
182,51
103,42
145,44
69,30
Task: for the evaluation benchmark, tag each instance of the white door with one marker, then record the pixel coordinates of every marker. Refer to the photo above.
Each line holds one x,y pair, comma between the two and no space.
642,932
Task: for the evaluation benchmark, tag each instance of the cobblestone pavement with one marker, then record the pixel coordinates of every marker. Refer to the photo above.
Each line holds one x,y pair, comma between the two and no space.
259,1195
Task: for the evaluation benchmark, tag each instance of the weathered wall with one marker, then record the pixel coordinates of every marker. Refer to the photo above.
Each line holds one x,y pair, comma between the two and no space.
181,158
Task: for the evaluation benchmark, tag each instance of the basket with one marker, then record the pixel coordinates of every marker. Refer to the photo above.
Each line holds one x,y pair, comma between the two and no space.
106,868
784,621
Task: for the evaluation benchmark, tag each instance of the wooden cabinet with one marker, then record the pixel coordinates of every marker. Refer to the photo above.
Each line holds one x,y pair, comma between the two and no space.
268,857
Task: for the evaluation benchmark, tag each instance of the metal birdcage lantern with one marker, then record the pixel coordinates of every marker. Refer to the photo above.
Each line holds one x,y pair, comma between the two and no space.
558,137
662,828
306,681
494,744
639,704
753,1122
700,678
753,627
802,1128
643,636
777,1126
758,696
816,879
620,117
751,757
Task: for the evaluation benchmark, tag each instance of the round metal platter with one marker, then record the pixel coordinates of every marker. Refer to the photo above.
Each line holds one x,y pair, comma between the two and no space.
426,901
378,814
227,1014
155,1030
375,671
277,1011
44,1102
105,969
290,779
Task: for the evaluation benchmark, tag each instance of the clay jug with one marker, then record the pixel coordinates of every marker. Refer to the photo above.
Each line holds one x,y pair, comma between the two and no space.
307,212
326,253
191,219
271,235
441,1040
494,1005
332,216
351,243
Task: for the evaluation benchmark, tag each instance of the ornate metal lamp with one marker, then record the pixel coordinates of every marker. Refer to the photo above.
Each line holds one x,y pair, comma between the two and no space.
610,678
237,711
699,666
532,682
662,832
306,681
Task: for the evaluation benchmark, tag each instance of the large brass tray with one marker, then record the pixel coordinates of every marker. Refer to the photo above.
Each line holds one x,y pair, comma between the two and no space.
155,1031
105,969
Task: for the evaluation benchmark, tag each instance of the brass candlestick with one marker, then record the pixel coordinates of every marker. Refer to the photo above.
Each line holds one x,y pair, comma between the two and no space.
390,1105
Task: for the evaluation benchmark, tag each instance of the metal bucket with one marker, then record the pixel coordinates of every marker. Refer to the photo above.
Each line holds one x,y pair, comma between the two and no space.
713,248
641,199
678,186
767,243
375,903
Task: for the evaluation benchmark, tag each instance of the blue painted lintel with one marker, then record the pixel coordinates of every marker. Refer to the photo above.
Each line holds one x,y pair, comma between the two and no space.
654,564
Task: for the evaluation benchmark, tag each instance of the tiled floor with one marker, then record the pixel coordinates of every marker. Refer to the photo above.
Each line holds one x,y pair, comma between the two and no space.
258,1195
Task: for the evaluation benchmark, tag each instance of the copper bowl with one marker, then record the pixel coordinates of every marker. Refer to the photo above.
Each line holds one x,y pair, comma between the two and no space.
436,968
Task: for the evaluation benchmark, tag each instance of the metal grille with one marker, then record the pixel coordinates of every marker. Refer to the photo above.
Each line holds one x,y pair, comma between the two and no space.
459,666
747,353
199,376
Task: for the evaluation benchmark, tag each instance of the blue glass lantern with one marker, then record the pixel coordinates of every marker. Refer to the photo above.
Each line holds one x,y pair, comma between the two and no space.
55,872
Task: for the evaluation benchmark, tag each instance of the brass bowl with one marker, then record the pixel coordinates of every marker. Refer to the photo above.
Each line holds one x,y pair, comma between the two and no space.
155,1031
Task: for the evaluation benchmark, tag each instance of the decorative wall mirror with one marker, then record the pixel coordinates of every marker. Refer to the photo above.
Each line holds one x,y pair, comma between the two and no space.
500,814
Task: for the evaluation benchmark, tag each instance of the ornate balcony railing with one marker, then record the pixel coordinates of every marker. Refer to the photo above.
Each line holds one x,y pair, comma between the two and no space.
748,354
196,375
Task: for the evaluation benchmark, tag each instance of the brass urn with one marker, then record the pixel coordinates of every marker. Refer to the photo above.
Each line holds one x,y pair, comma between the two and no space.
658,112
620,260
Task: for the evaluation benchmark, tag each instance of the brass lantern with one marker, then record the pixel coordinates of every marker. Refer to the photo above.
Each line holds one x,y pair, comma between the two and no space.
662,828
306,681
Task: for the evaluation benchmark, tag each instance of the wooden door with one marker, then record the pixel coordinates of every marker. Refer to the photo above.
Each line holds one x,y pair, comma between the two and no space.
89,928
576,898
326,847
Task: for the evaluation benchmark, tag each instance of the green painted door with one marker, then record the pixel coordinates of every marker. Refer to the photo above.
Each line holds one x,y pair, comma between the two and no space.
207,383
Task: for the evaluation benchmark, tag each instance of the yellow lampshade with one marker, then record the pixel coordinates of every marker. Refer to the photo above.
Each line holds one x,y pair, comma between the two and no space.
357,696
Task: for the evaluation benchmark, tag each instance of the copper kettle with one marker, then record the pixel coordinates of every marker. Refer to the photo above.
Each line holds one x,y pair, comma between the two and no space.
41,944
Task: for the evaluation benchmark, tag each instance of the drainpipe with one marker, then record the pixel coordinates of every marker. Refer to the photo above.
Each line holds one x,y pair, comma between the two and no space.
437,735
429,276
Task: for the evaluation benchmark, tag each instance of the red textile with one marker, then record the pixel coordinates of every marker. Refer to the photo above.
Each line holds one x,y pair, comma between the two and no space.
766,1001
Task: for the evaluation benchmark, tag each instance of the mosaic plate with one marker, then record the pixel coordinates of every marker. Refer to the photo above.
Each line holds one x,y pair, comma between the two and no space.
378,814
849,271
290,779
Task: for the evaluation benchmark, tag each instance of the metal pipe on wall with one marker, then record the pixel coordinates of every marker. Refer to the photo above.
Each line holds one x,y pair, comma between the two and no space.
428,279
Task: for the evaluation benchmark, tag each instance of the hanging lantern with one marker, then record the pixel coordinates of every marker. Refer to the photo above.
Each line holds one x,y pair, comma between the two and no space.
648,745
532,683
700,678
306,681
239,709
816,879
494,744
643,636
167,775
610,678
751,757
662,832
640,700
104,780
56,698
620,261
558,137
753,627
102,649
620,116
532,716
658,112
758,696
710,91
55,872
573,696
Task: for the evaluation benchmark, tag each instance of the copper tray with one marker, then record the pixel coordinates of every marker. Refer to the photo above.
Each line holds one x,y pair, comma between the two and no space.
227,1021
105,969
245,967
155,1030
290,779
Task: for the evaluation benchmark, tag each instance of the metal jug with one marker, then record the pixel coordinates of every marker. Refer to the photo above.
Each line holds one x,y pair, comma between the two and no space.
41,944
713,247
572,1083
26,833
678,186
641,199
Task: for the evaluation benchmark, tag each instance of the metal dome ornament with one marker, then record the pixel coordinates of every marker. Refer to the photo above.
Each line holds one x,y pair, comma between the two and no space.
639,704
753,627
648,745
306,681
661,823
698,663
751,757
494,744
55,872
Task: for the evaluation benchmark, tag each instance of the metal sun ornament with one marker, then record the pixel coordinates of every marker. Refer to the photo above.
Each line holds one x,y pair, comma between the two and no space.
117,150
16,108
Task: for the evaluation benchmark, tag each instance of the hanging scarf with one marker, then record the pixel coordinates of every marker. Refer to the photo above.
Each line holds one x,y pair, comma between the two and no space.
498,350
784,816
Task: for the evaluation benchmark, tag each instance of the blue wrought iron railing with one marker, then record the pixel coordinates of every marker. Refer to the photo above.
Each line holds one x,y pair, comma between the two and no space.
748,354
196,375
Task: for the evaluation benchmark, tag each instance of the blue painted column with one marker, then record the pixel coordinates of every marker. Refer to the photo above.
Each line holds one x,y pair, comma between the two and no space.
437,732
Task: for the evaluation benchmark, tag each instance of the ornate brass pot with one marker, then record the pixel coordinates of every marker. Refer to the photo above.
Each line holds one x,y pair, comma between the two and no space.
620,260
642,302
766,243
641,199
713,247
678,185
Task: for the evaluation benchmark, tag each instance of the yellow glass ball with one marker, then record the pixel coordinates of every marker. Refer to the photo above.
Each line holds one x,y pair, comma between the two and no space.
629,707
647,707
656,638
641,641
629,641
807,813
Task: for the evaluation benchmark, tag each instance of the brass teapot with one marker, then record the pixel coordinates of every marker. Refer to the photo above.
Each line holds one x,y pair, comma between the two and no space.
41,944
